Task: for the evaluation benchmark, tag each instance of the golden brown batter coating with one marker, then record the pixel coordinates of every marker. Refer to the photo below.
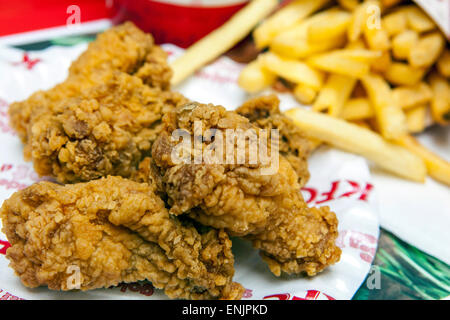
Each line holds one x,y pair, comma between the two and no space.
124,48
267,208
105,130
114,230
294,146
103,118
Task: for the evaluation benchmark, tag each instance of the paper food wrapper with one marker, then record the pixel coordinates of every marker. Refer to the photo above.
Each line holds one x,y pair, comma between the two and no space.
339,180
439,11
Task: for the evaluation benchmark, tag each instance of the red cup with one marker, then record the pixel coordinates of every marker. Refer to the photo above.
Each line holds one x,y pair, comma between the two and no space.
181,22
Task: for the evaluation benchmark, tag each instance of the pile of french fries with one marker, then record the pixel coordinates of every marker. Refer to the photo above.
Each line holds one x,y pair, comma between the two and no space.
378,65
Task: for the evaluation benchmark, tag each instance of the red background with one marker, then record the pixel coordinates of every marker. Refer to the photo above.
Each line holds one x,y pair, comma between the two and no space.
181,25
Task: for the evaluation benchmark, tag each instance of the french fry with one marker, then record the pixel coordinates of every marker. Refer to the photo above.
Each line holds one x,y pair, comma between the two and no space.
411,96
437,167
334,94
359,19
427,50
335,26
254,77
300,30
355,139
418,20
403,42
383,63
300,49
362,55
356,45
284,18
292,70
339,62
305,94
376,37
443,64
416,119
294,43
390,118
221,39
403,74
395,23
357,109
324,99
440,103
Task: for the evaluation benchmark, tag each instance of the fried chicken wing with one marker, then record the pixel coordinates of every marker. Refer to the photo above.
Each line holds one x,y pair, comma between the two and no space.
106,130
294,146
124,48
113,230
102,120
267,208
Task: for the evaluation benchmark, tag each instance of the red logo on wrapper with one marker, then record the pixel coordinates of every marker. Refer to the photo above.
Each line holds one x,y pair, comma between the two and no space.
365,243
4,295
338,189
309,295
17,177
4,245
27,61
4,127
248,293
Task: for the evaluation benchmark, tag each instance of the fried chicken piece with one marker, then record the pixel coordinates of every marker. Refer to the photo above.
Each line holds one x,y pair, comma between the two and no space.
294,146
123,48
113,230
106,130
128,49
245,199
103,118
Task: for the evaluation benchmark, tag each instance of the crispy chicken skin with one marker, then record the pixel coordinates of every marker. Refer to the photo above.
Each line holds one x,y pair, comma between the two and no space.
268,209
294,146
102,119
124,48
105,130
113,230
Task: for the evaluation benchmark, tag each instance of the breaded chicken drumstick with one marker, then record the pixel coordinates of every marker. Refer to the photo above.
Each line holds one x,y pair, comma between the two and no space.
243,198
113,230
